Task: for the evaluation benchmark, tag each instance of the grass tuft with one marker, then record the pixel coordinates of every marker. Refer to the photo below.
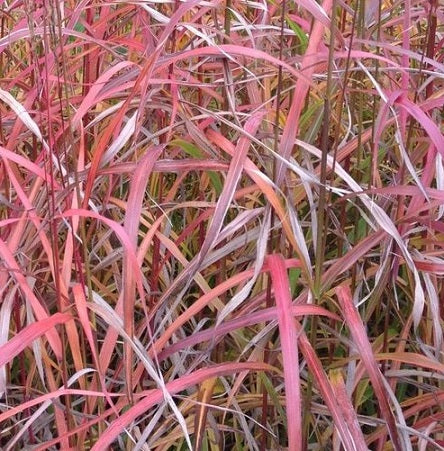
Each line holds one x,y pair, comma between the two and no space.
221,225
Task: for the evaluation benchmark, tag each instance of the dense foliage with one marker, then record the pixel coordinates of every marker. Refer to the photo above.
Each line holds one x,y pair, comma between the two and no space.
221,225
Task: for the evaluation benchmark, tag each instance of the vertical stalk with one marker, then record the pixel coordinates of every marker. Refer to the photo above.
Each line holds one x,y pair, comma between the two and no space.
322,219
272,244
226,66
52,209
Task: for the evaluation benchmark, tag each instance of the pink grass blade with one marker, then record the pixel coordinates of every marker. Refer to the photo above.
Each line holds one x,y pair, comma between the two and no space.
412,358
90,100
47,396
326,390
229,49
360,338
202,302
265,315
347,408
156,396
82,311
30,333
131,226
39,311
289,342
233,176
27,164
116,228
308,68
269,190
435,134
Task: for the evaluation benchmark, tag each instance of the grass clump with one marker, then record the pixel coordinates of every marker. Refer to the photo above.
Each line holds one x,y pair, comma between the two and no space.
221,225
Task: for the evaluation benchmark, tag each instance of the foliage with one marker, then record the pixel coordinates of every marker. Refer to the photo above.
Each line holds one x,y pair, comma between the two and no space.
221,225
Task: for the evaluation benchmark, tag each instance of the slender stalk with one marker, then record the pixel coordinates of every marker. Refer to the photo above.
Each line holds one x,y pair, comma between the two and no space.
267,411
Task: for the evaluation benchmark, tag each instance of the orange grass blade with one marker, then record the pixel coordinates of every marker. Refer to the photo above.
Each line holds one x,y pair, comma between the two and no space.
204,396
